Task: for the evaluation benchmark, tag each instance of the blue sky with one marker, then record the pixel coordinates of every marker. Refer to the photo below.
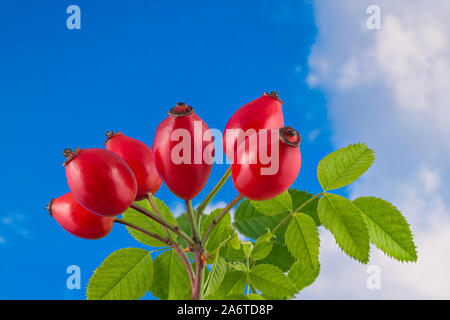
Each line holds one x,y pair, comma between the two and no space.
340,82
123,70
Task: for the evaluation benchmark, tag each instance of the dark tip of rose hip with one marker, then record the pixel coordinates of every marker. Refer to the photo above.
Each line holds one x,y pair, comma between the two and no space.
181,110
110,134
69,154
290,136
49,208
273,94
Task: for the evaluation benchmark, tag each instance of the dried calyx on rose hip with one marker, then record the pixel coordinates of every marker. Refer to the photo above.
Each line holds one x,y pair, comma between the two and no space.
100,180
263,174
264,112
183,149
77,220
139,158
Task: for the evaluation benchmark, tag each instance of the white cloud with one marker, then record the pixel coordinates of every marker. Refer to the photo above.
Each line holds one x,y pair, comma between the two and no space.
391,89
2,240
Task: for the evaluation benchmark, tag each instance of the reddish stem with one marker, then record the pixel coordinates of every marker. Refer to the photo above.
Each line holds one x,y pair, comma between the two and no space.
198,275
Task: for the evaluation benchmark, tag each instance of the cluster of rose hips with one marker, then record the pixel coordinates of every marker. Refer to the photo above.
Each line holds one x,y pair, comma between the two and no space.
105,182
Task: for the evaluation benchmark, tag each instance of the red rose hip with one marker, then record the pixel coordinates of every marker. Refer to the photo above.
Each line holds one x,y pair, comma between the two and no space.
77,220
100,180
264,112
263,174
183,149
139,158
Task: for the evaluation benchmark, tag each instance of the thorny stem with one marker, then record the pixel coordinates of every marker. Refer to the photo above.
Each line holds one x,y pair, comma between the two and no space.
304,204
164,223
220,216
213,192
193,222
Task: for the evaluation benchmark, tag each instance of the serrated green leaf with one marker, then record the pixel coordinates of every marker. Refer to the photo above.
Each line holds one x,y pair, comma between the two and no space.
221,232
125,274
146,223
300,197
253,224
261,250
302,276
271,281
388,229
280,204
344,166
233,283
279,257
171,281
216,276
302,240
340,216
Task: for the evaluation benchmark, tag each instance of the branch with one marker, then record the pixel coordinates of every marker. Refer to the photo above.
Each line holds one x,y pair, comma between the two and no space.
150,200
166,241
304,204
213,192
220,216
187,264
192,221
164,223
150,234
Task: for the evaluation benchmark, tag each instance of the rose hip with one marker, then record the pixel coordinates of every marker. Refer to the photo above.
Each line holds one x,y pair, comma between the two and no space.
100,180
77,220
186,170
248,173
139,158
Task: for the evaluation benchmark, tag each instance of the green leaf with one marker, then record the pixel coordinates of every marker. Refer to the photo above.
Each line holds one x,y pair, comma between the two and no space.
254,296
232,254
216,276
146,223
279,257
247,246
280,204
125,274
233,283
239,266
303,276
253,224
388,229
221,232
300,197
302,240
261,250
345,221
344,166
271,281
234,242
171,281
